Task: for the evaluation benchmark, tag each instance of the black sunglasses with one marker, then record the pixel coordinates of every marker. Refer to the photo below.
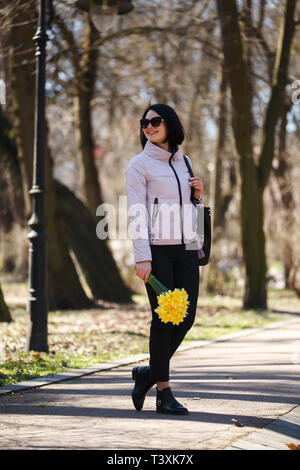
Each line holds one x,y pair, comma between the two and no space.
155,122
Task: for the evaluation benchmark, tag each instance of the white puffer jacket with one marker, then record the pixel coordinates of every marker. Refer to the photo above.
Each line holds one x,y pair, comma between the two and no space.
160,210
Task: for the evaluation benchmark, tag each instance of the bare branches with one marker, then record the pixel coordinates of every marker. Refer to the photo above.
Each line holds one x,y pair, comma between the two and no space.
262,7
280,77
256,32
70,40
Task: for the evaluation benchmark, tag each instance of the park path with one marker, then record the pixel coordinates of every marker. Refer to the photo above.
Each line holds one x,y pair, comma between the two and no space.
253,379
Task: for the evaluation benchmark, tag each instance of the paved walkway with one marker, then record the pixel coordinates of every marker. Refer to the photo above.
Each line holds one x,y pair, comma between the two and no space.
233,390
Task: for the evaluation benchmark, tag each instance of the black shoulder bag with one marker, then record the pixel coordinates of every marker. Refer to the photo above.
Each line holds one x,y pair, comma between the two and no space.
204,253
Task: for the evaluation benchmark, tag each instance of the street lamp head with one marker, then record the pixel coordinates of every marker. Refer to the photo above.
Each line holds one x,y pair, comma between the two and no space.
104,12
123,6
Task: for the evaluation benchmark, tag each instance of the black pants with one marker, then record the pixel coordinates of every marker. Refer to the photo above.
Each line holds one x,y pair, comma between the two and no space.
174,266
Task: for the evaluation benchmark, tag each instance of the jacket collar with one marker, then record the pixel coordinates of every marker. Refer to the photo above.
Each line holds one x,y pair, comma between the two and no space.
157,152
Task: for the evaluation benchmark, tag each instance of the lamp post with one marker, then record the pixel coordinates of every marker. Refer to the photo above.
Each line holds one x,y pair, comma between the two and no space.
102,13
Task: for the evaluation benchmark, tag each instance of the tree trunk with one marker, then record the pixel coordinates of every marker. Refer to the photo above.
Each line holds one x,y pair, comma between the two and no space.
91,191
253,241
222,198
5,148
193,128
84,91
280,80
253,177
293,278
8,153
93,254
4,310
64,288
283,176
76,227
22,84
11,197
85,71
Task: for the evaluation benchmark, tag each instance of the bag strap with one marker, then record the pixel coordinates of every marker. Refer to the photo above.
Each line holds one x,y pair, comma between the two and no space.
192,175
188,166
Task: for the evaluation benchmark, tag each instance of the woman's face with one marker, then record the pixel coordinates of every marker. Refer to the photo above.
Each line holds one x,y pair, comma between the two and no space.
157,135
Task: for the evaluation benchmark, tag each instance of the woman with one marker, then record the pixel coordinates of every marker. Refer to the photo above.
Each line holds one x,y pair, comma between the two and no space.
159,191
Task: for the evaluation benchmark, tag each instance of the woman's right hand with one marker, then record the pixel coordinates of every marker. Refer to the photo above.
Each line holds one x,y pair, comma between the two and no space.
143,270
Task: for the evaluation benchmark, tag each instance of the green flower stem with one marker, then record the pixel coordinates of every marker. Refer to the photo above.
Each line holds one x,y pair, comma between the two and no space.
158,287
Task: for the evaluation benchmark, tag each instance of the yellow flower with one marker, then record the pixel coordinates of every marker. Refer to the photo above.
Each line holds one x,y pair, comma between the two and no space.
172,306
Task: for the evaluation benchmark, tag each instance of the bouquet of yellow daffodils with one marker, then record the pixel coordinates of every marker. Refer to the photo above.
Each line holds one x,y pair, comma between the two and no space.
172,305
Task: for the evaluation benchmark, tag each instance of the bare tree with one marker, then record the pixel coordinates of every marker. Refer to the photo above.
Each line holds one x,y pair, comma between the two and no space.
254,177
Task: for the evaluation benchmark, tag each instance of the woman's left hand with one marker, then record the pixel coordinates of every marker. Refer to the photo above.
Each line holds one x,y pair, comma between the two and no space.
196,182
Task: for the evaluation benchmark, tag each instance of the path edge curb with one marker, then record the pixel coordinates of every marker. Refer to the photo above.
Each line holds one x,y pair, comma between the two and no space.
271,442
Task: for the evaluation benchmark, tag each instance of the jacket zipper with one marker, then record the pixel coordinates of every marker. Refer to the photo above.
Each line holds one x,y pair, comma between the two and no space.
180,198
154,215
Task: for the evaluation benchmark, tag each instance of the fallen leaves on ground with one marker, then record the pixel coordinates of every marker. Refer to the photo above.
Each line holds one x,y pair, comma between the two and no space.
237,423
82,338
76,339
292,446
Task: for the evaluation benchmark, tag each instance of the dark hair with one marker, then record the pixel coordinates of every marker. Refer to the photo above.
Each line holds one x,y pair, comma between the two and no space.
175,131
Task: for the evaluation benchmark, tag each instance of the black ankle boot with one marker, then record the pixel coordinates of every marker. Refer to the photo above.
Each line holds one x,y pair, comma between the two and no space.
141,375
167,403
